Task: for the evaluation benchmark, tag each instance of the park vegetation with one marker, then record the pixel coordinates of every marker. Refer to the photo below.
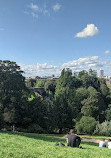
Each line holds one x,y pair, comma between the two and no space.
82,102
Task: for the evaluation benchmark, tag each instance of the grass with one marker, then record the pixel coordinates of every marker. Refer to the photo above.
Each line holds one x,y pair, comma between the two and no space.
83,136
23,145
95,137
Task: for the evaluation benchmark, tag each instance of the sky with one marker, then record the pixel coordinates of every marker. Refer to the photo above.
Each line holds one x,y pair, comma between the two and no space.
45,36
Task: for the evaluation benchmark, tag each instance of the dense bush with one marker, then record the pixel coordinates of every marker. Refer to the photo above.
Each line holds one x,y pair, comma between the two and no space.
103,129
34,128
86,125
108,117
1,121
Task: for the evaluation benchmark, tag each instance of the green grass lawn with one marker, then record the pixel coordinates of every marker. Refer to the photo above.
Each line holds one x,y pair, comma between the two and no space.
23,145
83,136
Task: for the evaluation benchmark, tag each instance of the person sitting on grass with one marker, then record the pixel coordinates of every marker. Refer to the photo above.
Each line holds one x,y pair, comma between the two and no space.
73,140
109,144
102,143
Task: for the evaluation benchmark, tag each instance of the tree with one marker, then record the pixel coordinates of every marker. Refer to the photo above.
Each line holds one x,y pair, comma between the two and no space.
1,120
94,105
65,106
30,82
50,87
108,117
36,112
12,90
81,94
86,125
64,109
89,79
39,83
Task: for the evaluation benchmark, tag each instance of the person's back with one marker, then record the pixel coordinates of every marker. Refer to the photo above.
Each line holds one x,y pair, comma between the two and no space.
102,143
109,144
73,140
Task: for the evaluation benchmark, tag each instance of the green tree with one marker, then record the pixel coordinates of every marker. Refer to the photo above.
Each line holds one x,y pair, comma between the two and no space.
39,83
104,90
30,82
36,113
94,105
81,94
65,106
105,93
86,125
108,117
50,87
1,120
89,79
12,90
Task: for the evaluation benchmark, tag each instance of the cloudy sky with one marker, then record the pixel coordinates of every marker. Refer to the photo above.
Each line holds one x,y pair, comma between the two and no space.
45,36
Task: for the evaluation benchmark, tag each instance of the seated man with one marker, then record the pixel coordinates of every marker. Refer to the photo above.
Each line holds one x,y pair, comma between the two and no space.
73,140
109,144
102,143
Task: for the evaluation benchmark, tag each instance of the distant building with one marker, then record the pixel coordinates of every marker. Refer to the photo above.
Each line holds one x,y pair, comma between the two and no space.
101,73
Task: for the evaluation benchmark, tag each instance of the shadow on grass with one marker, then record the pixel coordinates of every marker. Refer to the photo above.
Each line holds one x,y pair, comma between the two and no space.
36,136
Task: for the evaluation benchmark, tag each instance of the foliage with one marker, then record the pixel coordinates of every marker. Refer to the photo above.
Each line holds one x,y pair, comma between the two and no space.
65,106
32,95
86,125
13,90
89,79
34,112
104,90
103,129
30,82
59,107
94,105
39,83
34,128
108,117
64,110
50,87
1,121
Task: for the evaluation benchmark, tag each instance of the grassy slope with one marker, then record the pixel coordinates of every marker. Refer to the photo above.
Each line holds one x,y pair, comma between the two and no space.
40,146
83,136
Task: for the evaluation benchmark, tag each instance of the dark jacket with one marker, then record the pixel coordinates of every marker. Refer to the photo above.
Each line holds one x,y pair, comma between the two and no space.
73,140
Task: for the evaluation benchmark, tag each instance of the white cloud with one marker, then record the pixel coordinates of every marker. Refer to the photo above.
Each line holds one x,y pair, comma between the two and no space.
34,7
56,7
107,52
35,10
90,30
85,63
40,69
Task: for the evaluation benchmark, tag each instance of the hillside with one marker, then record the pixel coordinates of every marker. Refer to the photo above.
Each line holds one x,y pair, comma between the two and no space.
23,145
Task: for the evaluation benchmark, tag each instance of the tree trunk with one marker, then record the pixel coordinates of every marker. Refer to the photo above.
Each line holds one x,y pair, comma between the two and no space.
60,131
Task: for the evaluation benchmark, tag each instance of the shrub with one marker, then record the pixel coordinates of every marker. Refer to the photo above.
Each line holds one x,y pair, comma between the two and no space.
86,125
103,129
34,128
1,121
108,117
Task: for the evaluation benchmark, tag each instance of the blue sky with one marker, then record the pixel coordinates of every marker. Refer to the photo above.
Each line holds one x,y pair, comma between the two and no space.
45,36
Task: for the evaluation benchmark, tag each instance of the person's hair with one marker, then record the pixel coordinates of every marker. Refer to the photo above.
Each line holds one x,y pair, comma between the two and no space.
103,139
71,131
109,140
